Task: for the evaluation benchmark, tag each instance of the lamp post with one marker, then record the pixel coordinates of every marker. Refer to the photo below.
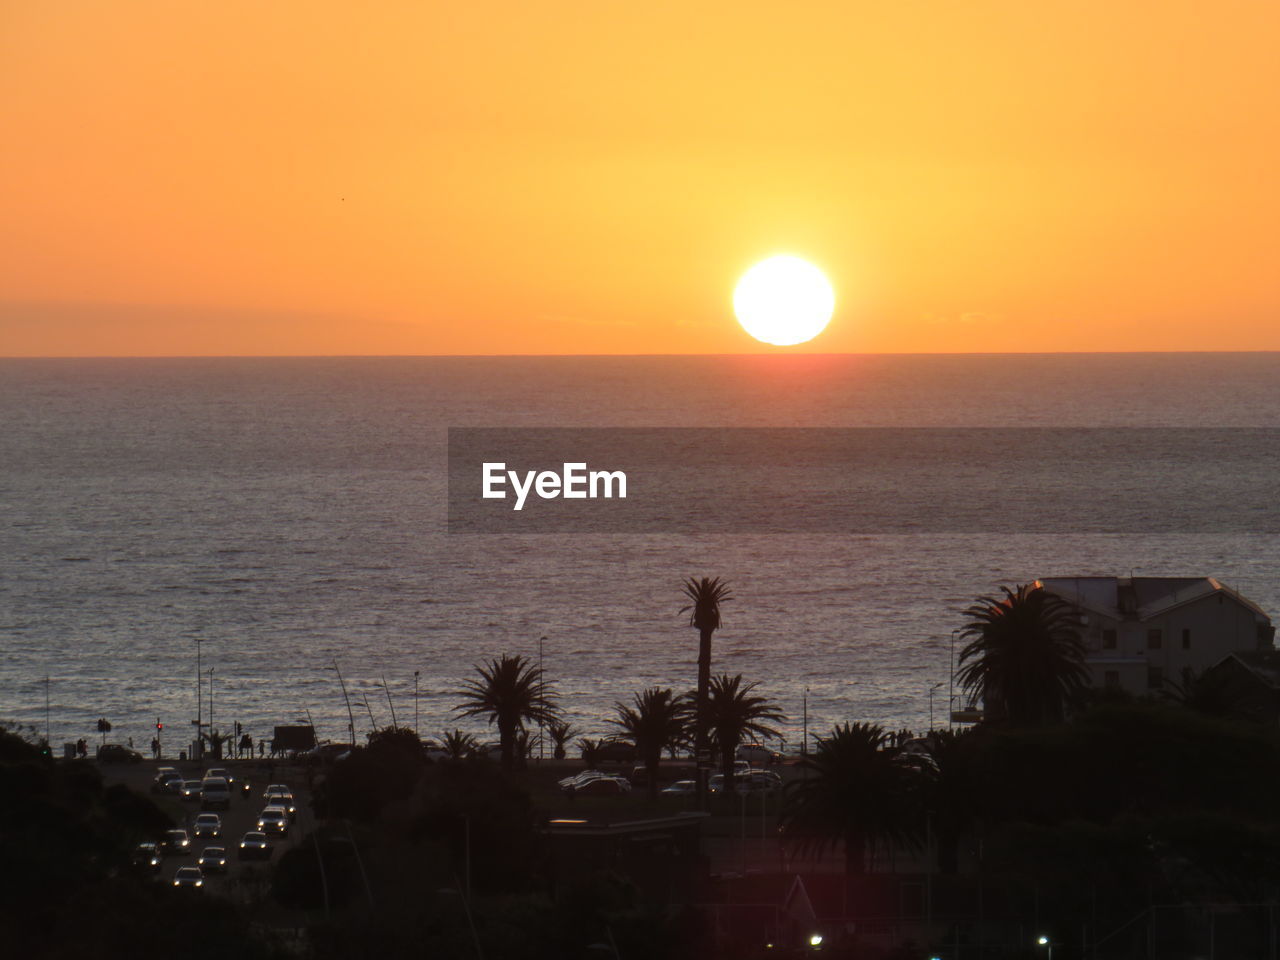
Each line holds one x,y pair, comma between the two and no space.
804,738
211,669
951,681
931,692
47,744
541,687
1043,941
199,691
416,728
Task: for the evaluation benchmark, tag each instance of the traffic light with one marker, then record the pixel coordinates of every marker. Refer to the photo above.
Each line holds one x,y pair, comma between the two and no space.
159,726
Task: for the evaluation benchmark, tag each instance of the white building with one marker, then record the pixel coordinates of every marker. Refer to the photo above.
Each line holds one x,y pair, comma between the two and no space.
1142,631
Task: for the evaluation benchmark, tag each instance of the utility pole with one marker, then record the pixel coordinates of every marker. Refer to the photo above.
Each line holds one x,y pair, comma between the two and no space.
951,682
47,744
199,706
211,669
416,729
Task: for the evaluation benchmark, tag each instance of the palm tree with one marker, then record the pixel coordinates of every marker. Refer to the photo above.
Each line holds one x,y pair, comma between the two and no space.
705,594
734,714
854,791
561,733
658,719
590,751
950,790
458,745
1024,657
510,692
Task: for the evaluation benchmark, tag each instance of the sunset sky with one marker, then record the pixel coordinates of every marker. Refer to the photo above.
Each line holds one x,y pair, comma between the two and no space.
593,177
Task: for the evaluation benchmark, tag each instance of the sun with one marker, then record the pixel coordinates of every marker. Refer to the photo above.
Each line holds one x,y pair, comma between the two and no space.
783,300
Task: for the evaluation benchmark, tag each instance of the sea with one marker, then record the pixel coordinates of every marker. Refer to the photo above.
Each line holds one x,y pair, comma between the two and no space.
250,530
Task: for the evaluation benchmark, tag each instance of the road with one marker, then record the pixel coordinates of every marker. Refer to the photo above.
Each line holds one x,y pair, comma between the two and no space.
239,819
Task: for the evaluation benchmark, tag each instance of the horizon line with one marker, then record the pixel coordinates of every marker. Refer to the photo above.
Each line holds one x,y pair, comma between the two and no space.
575,356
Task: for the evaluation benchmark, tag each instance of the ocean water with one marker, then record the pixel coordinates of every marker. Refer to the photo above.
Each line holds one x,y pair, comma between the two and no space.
291,513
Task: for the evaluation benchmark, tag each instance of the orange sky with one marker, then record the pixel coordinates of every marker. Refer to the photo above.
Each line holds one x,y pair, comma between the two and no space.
592,177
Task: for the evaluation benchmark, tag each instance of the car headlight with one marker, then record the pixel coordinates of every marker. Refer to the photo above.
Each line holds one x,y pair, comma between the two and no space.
242,846
199,883
176,883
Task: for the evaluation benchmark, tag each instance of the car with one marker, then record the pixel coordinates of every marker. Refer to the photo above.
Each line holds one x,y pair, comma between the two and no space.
681,788
274,820
188,877
275,790
570,783
208,825
285,800
616,751
219,773
213,860
254,845
215,794
754,781
604,787
166,784
114,753
175,842
146,856
328,751
758,753
168,773
191,790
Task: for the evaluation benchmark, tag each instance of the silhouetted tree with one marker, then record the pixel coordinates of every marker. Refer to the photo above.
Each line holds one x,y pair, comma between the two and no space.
853,791
590,751
458,745
1024,656
561,733
705,594
736,714
657,719
510,692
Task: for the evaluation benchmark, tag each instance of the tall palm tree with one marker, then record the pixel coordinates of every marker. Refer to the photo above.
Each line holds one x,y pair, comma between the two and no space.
1024,655
854,791
509,693
657,719
735,714
705,595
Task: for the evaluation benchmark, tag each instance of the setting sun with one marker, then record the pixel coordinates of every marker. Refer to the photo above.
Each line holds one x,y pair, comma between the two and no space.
783,301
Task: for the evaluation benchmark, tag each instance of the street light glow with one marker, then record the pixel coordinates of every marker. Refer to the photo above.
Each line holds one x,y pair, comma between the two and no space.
815,940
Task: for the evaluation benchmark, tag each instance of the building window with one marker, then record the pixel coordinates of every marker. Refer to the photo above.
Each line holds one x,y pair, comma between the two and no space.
1111,679
1155,639
1108,639
1186,639
1155,678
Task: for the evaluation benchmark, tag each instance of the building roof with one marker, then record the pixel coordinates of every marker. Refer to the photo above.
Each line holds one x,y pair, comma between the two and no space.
1263,664
1151,596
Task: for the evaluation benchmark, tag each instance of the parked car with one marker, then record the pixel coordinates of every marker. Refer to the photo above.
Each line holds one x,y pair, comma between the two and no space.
175,842
215,794
758,753
603,787
213,860
616,751
681,788
274,821
219,773
188,877
753,781
147,856
577,780
208,825
254,845
191,790
114,753
328,751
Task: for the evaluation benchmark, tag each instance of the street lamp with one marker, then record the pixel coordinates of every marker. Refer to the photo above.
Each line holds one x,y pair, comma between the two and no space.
541,687
416,728
804,739
931,692
1043,941
951,681
815,940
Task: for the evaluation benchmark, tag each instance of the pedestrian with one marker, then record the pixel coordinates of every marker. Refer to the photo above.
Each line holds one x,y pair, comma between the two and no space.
131,743
155,748
262,748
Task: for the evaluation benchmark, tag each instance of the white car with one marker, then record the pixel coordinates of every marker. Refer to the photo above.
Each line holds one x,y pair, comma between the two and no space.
758,753
219,773
215,794
681,788
208,825
274,820
188,877
191,789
